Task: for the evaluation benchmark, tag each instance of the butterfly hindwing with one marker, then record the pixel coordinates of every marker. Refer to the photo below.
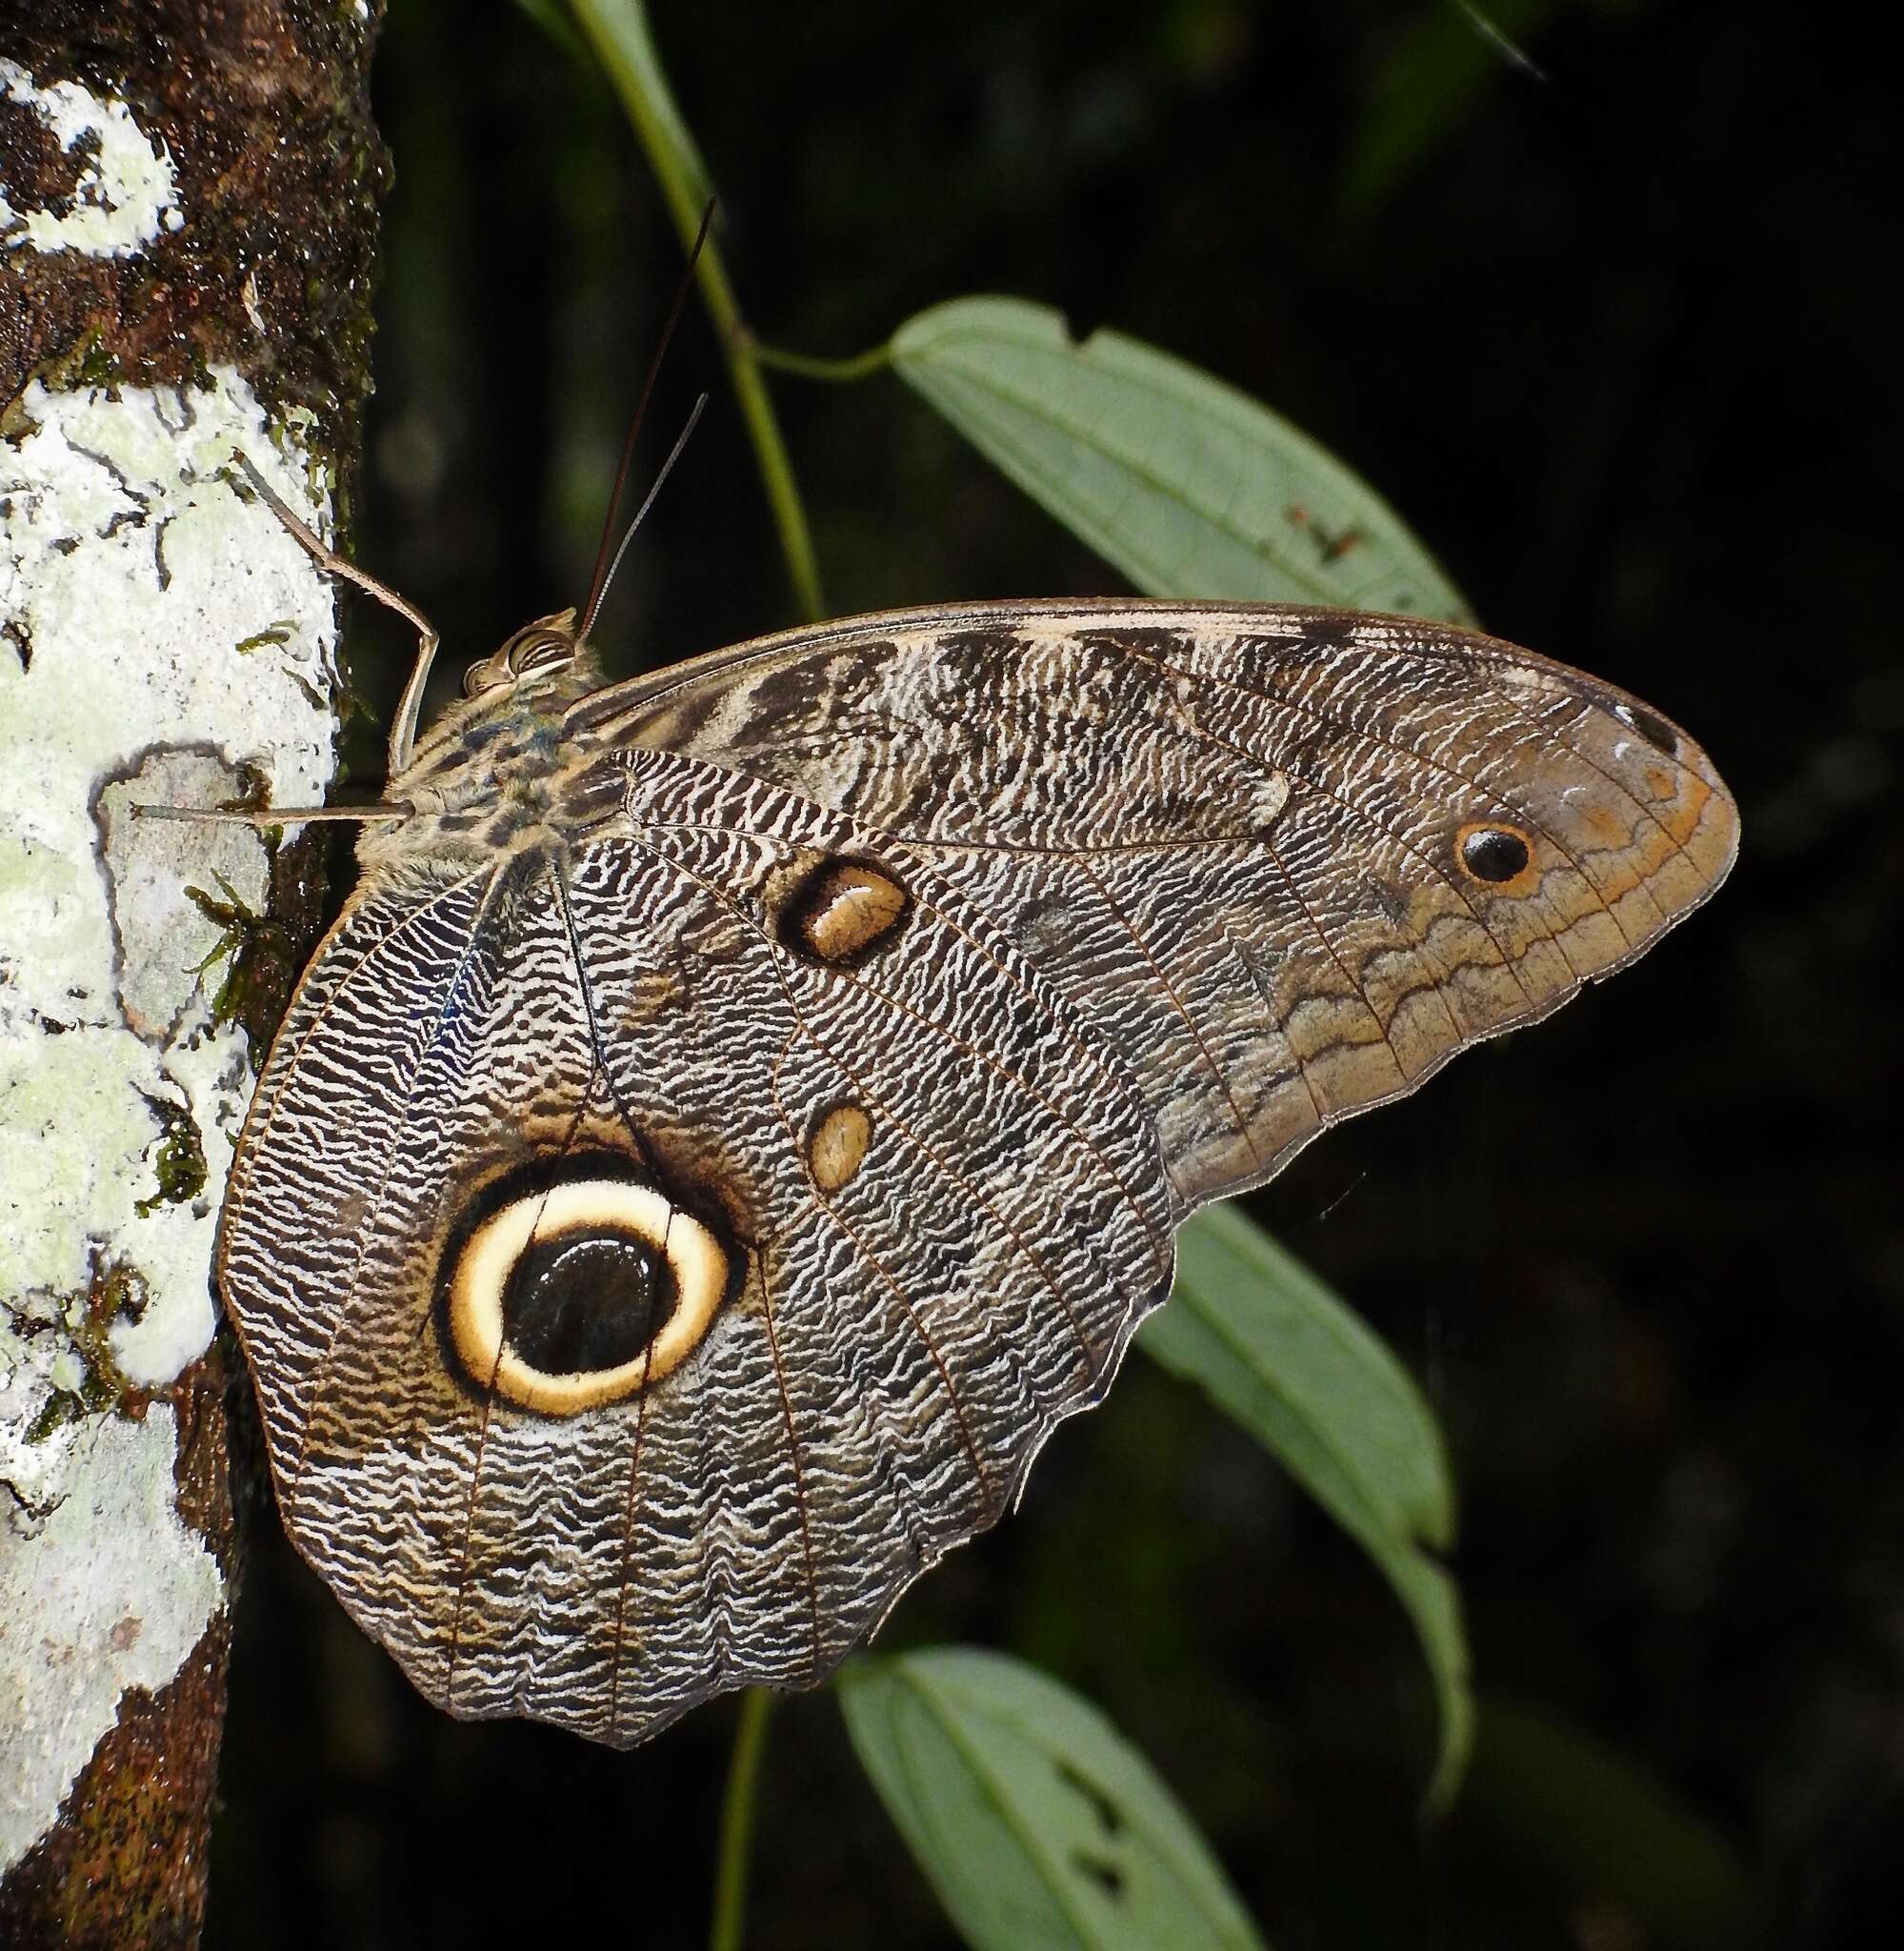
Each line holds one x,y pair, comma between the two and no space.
935,1191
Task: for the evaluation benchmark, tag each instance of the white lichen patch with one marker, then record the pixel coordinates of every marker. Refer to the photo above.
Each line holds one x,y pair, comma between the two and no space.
130,576
127,190
156,634
106,1590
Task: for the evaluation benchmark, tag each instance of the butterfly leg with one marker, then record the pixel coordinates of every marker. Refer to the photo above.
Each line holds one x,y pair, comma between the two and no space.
402,727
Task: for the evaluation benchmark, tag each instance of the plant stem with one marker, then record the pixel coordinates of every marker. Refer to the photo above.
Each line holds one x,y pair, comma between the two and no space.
776,471
618,31
837,371
731,1866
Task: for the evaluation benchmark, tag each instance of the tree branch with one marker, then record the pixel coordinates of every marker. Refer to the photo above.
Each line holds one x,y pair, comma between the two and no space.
187,232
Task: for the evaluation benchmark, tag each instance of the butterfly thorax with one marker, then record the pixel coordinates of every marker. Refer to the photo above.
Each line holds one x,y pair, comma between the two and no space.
485,775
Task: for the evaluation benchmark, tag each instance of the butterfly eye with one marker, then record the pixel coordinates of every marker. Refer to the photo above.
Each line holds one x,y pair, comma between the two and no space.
482,675
575,1297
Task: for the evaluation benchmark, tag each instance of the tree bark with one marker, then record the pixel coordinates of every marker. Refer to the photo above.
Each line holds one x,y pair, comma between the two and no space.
187,218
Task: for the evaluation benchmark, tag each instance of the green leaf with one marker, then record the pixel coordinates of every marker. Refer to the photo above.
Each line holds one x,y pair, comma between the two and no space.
1617,1841
1040,1827
1189,487
1276,1349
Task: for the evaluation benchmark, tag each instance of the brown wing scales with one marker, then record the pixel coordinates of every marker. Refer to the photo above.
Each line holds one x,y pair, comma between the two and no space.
832,1060
1233,839
891,1352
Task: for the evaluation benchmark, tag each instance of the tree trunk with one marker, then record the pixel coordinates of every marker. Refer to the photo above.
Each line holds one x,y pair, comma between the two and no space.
188,222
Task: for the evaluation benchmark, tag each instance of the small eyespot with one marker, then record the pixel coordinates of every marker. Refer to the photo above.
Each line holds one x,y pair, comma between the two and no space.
1650,726
842,912
837,1150
482,675
1494,853
575,1297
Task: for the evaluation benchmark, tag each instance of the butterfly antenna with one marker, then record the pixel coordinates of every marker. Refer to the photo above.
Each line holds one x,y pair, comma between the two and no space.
647,502
598,586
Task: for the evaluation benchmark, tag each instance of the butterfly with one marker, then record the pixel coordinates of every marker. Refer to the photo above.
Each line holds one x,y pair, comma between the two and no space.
742,1110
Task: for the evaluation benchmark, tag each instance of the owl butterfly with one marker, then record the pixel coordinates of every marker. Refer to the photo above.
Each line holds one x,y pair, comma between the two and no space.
741,1109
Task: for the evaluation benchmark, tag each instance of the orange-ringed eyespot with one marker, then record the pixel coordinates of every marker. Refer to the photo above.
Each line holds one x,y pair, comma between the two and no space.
575,1297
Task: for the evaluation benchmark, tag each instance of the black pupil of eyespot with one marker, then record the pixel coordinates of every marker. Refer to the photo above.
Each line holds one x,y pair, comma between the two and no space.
581,1302
1493,855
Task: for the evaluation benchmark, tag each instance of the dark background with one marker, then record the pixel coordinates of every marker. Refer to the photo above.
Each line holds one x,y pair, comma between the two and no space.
1610,340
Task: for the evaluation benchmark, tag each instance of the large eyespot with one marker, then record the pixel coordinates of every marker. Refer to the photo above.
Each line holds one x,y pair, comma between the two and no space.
1499,855
585,1293
843,911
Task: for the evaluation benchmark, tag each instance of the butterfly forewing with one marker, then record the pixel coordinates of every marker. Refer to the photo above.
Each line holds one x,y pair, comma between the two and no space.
1252,845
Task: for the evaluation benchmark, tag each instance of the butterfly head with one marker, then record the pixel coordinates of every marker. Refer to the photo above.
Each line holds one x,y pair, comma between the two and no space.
537,650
